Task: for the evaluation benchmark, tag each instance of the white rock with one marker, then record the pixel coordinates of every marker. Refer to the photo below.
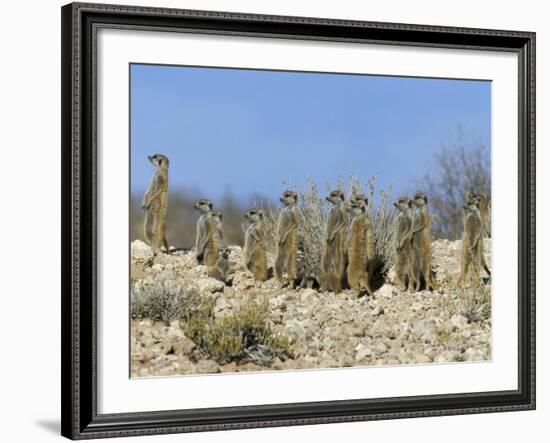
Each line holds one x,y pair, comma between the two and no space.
209,284
140,250
459,321
379,309
362,351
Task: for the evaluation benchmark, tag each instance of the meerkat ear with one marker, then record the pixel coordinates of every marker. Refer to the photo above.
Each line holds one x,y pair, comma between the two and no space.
220,215
210,205
425,198
410,203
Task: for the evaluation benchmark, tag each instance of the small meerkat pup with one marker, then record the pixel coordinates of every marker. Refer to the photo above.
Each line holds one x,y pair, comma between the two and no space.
212,240
484,213
421,242
332,260
286,238
220,270
155,203
358,277
204,206
471,236
255,258
403,244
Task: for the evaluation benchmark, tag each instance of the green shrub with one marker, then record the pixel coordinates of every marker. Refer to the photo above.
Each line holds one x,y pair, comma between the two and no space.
242,335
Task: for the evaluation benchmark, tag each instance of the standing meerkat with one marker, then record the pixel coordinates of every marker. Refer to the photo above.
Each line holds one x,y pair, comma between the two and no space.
220,270
212,240
287,238
358,276
254,244
332,260
370,250
204,206
421,242
484,203
403,244
471,236
155,203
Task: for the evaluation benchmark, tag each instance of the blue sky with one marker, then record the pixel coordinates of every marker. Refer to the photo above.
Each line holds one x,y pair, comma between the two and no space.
248,131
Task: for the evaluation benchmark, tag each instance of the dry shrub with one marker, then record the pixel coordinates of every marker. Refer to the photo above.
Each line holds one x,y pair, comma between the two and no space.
242,335
474,303
159,303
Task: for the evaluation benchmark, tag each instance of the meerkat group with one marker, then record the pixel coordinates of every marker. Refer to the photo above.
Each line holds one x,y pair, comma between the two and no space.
348,251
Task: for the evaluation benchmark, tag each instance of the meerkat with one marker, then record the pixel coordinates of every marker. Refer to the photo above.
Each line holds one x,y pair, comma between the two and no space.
370,250
254,244
212,240
155,203
220,269
421,242
403,244
332,260
218,218
484,213
204,206
357,273
287,238
471,240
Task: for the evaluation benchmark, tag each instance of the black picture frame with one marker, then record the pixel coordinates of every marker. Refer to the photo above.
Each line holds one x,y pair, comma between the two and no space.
79,211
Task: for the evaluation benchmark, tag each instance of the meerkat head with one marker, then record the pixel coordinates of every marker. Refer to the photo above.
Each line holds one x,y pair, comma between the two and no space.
471,205
289,198
472,197
335,197
357,207
159,160
216,216
224,252
203,205
420,199
254,215
360,197
403,204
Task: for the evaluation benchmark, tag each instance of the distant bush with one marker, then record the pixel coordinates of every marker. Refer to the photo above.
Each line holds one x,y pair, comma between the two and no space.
243,334
459,166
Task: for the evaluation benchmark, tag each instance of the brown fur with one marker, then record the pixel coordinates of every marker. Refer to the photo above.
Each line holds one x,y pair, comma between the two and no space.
421,242
155,203
471,240
358,277
220,270
484,202
287,238
212,240
204,206
403,244
332,260
370,250
254,245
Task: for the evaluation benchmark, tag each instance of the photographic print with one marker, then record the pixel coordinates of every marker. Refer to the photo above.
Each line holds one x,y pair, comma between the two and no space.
284,220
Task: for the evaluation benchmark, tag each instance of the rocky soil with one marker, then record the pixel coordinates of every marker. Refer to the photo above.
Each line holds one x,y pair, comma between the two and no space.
326,330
